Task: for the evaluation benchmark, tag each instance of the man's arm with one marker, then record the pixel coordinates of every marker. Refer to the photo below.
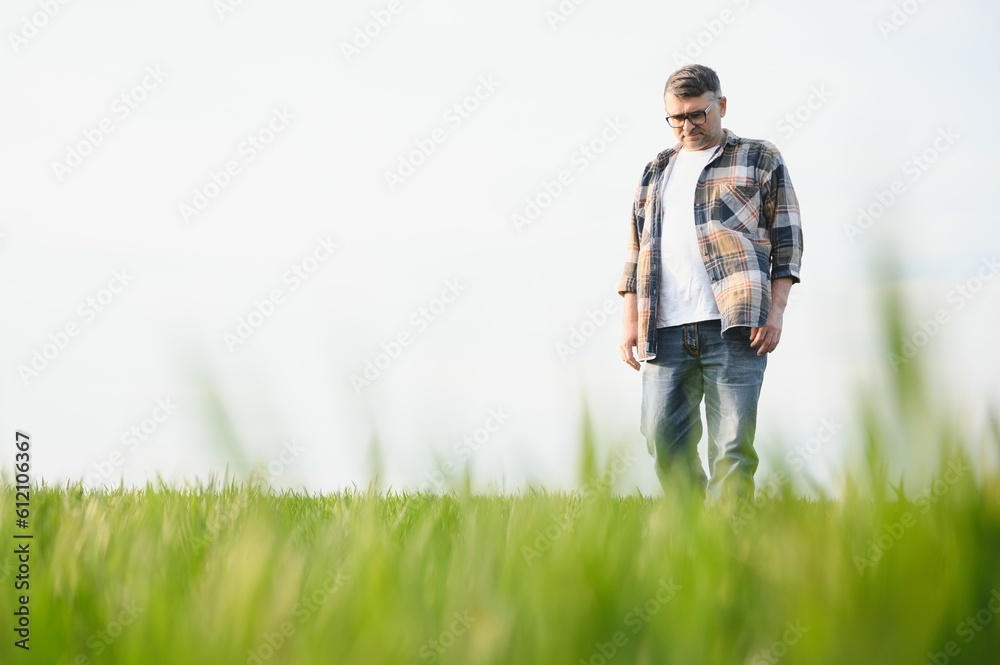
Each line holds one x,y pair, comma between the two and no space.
781,212
627,285
781,209
769,336
630,330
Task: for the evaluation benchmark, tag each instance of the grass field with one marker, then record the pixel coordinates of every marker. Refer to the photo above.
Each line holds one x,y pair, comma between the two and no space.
232,572
237,574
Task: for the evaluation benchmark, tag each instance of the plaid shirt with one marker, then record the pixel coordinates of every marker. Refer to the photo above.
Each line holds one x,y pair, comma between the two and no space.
747,221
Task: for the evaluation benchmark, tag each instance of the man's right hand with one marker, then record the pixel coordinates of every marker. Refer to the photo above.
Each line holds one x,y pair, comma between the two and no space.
630,331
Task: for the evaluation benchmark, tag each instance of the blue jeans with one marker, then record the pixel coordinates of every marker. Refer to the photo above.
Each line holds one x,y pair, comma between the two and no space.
692,361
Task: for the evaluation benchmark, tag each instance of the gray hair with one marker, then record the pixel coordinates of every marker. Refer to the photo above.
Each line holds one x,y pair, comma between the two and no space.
693,81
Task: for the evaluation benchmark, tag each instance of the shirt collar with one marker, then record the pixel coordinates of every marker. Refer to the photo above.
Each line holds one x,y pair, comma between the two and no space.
662,158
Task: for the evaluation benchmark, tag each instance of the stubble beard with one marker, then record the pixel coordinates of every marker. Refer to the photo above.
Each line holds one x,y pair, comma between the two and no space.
696,141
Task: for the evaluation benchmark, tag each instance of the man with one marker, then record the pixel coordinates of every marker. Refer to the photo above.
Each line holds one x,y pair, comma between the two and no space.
714,248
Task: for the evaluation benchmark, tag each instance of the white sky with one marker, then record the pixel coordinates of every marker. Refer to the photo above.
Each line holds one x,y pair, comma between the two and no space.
887,97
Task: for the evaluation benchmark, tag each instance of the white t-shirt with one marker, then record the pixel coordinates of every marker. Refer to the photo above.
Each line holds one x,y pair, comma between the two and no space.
685,288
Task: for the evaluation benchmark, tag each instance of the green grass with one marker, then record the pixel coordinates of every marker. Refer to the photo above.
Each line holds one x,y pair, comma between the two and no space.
211,575
232,572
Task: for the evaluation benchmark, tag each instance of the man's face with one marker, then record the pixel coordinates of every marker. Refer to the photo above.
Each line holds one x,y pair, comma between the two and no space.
697,137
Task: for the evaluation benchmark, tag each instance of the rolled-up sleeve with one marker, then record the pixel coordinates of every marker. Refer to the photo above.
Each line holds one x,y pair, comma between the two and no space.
782,209
628,283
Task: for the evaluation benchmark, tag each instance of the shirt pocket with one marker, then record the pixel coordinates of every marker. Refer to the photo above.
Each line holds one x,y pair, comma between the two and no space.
739,207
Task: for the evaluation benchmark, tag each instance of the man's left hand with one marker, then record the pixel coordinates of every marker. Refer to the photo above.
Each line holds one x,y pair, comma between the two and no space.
767,338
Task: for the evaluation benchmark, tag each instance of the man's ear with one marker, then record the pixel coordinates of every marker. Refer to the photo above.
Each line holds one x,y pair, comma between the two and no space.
722,106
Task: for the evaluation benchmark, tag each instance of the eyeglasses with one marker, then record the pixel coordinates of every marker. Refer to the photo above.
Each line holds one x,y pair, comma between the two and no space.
696,118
